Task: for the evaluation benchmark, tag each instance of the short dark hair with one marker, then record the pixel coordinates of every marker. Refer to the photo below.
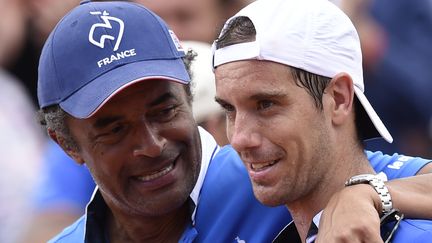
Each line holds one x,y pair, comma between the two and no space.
54,117
242,30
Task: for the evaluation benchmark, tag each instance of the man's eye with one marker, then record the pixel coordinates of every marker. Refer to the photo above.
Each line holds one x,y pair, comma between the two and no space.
168,110
164,114
112,134
113,130
227,108
264,104
116,129
229,111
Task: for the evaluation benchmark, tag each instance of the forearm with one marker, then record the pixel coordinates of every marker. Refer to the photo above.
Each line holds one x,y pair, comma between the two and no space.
412,195
426,169
352,214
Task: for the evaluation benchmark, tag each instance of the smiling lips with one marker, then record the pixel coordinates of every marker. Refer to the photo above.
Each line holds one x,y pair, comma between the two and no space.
260,166
157,174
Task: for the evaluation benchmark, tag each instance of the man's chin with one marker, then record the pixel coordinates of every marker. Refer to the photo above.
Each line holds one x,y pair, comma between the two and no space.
266,196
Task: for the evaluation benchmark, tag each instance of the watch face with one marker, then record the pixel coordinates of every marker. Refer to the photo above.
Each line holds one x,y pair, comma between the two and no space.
360,179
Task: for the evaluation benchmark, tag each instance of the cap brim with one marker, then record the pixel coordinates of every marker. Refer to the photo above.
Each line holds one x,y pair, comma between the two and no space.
378,125
87,100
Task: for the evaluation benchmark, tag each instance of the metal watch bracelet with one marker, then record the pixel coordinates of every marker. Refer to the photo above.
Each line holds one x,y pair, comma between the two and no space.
377,182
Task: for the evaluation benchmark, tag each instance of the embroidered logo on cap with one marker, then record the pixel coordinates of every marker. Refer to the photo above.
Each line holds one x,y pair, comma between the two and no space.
107,24
116,56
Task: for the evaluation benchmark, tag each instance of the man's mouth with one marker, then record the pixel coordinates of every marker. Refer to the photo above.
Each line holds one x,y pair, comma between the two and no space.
157,174
260,166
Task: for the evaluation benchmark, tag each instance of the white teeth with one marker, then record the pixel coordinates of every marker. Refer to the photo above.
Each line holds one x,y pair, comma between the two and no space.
258,166
155,175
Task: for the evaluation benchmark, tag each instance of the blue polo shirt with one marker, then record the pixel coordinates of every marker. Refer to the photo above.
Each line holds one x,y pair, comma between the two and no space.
409,230
226,209
229,212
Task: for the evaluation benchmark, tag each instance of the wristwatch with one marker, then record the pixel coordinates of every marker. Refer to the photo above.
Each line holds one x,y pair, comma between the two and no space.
377,182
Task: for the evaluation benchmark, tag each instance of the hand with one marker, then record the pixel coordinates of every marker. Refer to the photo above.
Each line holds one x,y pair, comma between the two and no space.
352,216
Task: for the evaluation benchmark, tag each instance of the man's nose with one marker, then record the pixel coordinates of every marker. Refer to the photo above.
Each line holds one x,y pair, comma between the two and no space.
149,142
243,133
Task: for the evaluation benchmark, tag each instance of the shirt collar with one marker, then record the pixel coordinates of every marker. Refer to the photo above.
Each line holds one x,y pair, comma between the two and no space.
290,234
316,219
209,148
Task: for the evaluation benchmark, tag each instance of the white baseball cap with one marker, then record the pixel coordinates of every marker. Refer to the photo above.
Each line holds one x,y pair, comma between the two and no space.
312,35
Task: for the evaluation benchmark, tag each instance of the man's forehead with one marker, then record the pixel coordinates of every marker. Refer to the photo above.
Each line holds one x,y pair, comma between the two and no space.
259,71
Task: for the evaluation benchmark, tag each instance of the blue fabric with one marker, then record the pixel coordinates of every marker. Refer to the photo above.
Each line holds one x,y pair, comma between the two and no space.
228,211
63,183
411,230
396,165
71,234
189,234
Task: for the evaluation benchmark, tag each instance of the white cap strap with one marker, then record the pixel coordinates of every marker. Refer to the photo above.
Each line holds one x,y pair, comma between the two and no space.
237,52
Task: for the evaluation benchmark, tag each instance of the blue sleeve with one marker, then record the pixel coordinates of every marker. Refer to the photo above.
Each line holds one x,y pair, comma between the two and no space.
71,234
396,165
63,183
411,230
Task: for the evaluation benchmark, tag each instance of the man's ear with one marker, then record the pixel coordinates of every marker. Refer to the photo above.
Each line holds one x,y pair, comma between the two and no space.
341,90
59,139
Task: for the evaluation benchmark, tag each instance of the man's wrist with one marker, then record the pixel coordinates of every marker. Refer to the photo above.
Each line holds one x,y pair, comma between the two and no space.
382,201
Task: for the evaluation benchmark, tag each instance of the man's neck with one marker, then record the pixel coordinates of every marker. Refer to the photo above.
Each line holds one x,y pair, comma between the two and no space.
305,208
166,228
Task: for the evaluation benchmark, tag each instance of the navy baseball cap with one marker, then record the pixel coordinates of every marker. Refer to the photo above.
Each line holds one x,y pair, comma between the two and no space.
98,49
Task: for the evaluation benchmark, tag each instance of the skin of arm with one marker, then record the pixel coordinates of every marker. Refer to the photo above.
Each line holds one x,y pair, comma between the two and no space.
340,223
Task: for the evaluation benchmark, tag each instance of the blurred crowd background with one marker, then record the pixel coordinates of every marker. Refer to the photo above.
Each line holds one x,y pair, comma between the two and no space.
42,190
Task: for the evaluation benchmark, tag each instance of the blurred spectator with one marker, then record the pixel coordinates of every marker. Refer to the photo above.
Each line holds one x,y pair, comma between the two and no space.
189,19
396,37
198,20
206,111
12,30
21,140
45,14
41,17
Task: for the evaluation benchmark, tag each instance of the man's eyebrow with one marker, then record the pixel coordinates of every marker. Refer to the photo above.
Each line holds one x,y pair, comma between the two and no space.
258,96
105,121
268,95
163,98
